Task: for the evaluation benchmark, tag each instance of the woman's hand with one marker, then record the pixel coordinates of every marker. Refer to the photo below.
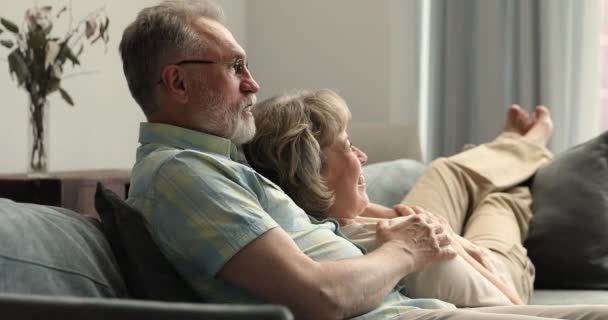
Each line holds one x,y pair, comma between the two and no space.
420,235
473,250
468,250
403,210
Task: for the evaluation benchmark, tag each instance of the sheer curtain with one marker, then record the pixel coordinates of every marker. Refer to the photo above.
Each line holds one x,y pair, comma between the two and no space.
486,54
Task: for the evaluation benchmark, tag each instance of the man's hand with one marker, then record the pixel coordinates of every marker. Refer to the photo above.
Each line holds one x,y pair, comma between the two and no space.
472,249
420,235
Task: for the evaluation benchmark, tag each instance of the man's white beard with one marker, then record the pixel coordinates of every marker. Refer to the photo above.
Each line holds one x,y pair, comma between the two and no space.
243,130
226,122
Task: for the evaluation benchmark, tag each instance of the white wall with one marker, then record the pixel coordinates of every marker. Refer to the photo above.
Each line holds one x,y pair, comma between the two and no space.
366,50
362,49
101,130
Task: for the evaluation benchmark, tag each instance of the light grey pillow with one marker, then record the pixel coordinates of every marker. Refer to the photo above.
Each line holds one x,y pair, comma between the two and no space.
54,251
388,182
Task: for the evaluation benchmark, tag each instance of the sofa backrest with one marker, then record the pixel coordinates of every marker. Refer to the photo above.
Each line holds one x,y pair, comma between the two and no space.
54,251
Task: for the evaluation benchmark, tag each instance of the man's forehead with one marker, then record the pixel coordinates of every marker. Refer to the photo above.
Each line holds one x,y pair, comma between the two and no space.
218,35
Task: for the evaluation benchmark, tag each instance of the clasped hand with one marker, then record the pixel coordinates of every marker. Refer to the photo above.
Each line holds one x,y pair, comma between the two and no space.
420,234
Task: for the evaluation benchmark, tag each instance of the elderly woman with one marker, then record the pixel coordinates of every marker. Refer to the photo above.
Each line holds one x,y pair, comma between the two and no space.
302,145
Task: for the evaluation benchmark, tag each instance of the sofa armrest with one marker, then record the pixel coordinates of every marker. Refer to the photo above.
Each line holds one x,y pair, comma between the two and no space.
17,306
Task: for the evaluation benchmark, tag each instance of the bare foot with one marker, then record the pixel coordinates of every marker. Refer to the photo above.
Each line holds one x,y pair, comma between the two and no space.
542,127
518,120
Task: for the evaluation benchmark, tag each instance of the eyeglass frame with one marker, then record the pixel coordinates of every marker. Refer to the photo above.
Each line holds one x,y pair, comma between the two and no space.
232,64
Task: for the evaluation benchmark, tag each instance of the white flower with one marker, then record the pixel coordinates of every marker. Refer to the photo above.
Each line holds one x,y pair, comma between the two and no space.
38,18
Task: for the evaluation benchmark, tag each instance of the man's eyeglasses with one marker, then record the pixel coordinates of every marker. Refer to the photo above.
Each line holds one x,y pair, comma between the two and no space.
239,65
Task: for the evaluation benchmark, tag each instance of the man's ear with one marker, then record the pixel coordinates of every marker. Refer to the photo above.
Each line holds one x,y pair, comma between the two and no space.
173,79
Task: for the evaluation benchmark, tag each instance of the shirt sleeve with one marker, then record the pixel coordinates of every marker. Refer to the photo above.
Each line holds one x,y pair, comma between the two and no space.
205,212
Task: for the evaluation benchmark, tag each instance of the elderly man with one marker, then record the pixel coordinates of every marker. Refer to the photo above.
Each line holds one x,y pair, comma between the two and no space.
231,233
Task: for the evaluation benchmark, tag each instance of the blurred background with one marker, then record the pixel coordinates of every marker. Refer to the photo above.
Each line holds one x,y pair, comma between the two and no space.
449,67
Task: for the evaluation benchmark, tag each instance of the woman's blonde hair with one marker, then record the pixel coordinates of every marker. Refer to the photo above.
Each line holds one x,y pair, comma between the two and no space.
291,132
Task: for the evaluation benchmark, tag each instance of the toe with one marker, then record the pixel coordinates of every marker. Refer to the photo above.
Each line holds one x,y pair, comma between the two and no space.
541,111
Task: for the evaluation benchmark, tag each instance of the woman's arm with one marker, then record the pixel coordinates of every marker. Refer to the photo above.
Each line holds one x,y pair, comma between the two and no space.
378,211
507,291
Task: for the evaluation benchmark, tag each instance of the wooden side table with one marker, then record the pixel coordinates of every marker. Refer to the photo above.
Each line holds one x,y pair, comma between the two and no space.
74,190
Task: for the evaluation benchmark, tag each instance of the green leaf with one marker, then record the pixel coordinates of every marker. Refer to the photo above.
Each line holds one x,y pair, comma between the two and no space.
17,65
7,43
36,39
48,29
104,26
66,96
9,25
53,84
69,54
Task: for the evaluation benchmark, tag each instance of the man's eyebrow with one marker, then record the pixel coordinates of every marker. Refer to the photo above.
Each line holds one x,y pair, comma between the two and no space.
239,55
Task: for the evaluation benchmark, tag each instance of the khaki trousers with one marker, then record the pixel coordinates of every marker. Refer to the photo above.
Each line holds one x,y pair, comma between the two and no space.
574,312
481,192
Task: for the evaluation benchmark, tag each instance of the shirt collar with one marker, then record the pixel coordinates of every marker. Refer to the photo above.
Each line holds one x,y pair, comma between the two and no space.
182,138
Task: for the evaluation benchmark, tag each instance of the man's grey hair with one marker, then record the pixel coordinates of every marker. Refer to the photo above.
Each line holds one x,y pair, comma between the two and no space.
160,33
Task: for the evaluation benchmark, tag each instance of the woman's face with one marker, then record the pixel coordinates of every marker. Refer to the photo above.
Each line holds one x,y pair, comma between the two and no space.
342,172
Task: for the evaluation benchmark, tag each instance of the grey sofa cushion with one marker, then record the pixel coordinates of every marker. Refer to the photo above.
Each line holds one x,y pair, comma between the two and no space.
388,182
568,239
148,274
54,251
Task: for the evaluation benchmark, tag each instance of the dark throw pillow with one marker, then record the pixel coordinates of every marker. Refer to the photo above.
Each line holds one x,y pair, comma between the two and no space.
147,272
568,240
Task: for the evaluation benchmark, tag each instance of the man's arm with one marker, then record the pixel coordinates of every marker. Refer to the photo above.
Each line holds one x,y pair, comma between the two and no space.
273,267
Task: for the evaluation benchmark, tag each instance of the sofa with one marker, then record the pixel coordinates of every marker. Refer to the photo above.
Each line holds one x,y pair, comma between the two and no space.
57,263
571,188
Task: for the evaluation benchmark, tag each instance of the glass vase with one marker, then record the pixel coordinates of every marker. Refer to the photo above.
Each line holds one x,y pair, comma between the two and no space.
38,142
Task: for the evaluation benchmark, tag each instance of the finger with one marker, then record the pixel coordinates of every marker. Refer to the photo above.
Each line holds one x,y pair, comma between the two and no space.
403,210
382,224
438,229
418,209
427,217
447,253
443,240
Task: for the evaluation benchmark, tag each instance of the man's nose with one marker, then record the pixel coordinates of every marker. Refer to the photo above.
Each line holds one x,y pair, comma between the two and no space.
248,84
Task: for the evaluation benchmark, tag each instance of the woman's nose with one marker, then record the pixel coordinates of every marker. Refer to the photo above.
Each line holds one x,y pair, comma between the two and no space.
360,155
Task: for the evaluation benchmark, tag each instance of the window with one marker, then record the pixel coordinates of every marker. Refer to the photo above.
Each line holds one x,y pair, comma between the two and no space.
604,67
